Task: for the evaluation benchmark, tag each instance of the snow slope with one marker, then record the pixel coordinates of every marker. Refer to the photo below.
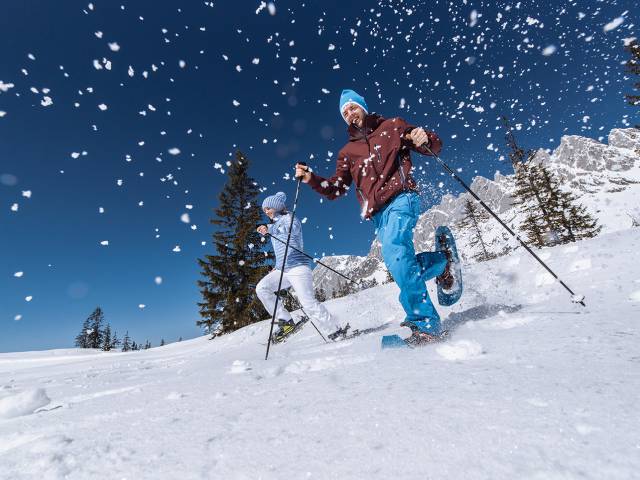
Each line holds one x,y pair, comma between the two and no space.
529,386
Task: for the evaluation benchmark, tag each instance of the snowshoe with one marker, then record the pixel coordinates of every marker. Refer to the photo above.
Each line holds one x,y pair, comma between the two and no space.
340,333
450,282
416,339
286,328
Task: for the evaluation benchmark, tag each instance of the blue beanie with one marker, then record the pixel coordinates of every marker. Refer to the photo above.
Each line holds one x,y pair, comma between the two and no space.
349,96
277,202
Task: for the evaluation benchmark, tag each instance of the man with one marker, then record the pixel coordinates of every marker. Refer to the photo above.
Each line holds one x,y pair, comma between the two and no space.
377,160
297,273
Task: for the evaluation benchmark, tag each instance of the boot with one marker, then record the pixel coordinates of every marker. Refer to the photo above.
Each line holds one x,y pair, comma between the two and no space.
285,327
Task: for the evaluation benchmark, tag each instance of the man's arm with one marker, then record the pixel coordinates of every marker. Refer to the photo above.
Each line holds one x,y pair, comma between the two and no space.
333,187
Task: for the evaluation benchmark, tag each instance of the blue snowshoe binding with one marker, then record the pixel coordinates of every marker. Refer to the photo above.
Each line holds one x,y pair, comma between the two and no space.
419,337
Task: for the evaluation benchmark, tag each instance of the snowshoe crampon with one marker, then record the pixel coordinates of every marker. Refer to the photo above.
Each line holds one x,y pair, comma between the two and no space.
450,282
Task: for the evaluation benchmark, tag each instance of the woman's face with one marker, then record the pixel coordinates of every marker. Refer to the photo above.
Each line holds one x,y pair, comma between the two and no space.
269,212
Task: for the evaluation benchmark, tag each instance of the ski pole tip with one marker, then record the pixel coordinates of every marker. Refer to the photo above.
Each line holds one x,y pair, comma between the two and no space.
578,299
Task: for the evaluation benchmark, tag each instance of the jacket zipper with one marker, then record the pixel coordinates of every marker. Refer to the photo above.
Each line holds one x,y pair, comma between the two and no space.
402,176
366,139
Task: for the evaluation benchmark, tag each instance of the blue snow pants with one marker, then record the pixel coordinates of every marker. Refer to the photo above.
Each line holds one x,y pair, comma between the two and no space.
394,229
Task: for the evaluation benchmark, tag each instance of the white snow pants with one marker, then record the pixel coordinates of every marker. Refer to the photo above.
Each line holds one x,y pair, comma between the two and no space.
300,279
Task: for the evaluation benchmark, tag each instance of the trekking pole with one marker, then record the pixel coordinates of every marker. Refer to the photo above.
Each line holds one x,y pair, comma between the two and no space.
575,298
309,317
315,260
284,262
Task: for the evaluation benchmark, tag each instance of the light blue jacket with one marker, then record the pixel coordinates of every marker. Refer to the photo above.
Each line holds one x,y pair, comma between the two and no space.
280,229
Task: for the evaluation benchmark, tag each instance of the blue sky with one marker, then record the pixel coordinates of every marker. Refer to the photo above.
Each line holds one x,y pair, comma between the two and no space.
207,78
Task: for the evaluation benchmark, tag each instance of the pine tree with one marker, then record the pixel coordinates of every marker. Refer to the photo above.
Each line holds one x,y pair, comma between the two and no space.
231,274
389,278
115,341
147,345
126,343
633,67
82,339
320,294
94,338
472,219
527,195
134,346
106,338
162,342
569,220
552,216
517,154
180,339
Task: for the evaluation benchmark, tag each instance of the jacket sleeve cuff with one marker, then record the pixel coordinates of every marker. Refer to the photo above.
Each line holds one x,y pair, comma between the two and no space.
315,181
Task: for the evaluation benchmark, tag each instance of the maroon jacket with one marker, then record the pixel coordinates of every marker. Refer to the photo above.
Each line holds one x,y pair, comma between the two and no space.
378,159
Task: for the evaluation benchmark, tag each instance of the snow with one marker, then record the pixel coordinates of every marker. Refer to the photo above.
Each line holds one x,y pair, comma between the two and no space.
4,87
549,50
613,24
16,404
529,385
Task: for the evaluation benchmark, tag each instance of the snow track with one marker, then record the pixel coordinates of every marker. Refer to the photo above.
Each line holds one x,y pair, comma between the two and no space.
528,386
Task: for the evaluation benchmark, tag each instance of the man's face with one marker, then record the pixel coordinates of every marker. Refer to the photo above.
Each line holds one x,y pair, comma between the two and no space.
353,114
269,212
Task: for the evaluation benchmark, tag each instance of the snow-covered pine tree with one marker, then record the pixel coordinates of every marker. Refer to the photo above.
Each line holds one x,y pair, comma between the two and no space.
569,219
106,338
517,154
472,219
389,278
134,346
537,221
82,339
320,294
528,195
147,345
231,274
162,342
126,343
115,341
94,339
